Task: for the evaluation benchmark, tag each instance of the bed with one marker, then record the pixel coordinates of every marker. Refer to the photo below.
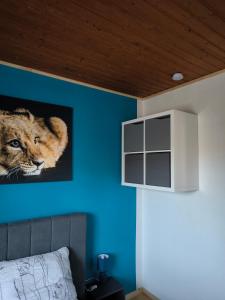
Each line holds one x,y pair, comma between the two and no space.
39,236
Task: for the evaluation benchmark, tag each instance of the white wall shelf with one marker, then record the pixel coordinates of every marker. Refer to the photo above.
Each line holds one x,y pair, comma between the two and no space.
160,152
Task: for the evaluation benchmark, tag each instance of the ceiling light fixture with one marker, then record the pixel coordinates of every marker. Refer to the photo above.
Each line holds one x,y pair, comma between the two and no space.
177,76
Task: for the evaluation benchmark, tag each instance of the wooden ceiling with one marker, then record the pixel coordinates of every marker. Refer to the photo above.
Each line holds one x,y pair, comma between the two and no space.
130,46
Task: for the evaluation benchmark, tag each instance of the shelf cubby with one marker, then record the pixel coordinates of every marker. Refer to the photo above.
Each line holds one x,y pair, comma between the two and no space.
134,168
158,169
134,137
157,134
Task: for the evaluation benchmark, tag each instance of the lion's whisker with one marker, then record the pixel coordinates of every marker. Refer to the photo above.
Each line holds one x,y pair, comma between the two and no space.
17,174
12,171
2,173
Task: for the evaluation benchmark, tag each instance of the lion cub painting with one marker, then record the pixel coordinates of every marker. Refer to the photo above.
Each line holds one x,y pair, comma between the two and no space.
30,144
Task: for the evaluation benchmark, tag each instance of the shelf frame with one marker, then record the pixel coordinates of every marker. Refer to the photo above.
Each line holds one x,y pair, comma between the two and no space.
183,152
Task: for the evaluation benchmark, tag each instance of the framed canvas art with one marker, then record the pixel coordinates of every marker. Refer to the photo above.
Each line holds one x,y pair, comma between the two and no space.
35,141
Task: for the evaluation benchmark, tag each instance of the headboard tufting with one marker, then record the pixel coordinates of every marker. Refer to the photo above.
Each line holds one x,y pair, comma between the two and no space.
39,236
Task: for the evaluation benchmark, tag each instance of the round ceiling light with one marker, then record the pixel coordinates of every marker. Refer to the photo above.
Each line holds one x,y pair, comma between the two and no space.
177,76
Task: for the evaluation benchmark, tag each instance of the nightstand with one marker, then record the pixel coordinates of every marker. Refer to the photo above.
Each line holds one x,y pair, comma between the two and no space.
109,289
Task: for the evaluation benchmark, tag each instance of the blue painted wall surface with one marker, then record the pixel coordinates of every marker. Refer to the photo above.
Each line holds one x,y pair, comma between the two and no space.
96,187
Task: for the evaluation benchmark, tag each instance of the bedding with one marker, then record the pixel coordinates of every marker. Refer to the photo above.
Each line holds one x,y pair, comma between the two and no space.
40,277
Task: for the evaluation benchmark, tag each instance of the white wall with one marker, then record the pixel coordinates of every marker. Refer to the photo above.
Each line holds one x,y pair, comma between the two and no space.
181,236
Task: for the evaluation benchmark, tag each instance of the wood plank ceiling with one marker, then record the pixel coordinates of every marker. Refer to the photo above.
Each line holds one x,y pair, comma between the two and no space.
130,46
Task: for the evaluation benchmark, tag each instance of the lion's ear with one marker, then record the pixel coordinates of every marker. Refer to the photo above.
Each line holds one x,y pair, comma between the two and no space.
4,113
24,112
59,129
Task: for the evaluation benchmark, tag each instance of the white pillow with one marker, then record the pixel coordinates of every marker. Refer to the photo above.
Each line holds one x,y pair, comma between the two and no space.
40,277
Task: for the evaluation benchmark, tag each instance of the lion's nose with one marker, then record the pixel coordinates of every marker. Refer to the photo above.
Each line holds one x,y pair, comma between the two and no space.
37,163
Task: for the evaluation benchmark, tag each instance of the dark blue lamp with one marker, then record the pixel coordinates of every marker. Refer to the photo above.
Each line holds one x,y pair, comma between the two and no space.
102,265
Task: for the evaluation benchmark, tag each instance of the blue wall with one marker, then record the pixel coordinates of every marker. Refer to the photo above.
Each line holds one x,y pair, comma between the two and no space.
96,186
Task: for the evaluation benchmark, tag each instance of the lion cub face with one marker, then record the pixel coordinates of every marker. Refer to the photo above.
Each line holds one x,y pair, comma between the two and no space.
27,145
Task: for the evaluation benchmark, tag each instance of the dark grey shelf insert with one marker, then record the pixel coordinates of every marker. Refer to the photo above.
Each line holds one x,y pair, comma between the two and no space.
158,169
134,167
134,137
157,134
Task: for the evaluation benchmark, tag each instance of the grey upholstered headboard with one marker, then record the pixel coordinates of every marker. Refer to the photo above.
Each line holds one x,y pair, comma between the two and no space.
39,236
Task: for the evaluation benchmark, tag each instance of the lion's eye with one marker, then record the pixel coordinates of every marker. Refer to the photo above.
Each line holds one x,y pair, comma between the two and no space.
36,139
15,144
